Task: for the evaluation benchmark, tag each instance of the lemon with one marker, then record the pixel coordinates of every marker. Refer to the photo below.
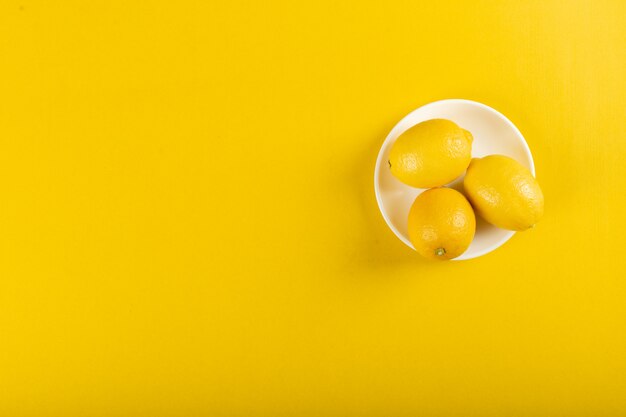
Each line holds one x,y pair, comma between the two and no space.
441,223
504,192
431,153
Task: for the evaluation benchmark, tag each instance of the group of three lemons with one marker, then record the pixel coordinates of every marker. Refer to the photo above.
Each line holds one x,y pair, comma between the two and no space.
442,222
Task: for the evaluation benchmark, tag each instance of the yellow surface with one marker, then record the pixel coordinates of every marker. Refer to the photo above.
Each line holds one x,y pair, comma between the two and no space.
188,225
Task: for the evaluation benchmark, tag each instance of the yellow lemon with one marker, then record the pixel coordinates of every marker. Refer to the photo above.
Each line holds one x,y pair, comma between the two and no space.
431,153
504,192
441,223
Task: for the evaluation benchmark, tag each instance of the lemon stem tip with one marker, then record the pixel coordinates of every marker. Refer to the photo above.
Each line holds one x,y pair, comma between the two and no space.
440,251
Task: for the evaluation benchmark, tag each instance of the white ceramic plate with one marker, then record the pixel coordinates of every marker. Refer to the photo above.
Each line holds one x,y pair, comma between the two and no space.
493,134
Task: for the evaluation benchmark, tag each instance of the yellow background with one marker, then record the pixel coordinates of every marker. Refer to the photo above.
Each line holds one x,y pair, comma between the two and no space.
188,224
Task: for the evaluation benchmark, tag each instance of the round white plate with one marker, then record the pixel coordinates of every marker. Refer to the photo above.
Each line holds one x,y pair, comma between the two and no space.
493,134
